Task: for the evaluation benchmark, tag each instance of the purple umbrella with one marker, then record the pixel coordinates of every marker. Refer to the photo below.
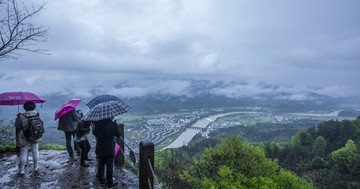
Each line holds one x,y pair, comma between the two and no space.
18,98
67,107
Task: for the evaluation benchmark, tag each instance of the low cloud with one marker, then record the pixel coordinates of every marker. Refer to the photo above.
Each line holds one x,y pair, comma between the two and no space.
138,48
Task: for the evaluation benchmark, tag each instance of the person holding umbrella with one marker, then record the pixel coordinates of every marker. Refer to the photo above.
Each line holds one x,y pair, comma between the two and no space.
21,123
19,98
105,132
68,122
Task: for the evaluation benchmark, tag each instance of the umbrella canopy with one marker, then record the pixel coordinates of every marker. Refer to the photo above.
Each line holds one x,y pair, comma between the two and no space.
67,107
106,110
102,98
18,98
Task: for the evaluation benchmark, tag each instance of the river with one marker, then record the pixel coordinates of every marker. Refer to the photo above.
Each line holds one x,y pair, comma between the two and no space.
189,133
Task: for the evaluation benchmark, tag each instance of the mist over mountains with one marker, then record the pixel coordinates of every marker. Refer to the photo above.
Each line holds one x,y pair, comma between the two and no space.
172,95
175,95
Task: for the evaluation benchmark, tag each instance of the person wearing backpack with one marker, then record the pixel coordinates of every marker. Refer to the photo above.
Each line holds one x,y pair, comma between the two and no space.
31,124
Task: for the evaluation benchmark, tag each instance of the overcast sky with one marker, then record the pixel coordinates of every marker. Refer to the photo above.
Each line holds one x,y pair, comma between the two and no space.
139,47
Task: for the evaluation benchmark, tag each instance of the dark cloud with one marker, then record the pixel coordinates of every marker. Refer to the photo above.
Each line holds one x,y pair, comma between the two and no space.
303,45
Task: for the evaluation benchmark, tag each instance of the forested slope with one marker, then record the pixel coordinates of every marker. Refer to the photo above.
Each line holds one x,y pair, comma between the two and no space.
325,155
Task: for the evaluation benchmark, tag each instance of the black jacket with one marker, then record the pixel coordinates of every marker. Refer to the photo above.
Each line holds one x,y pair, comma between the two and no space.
105,130
68,121
82,128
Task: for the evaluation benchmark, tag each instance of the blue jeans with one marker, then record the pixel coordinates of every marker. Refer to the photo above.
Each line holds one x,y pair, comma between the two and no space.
68,142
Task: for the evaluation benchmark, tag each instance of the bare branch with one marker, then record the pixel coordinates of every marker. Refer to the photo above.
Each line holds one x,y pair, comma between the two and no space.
17,33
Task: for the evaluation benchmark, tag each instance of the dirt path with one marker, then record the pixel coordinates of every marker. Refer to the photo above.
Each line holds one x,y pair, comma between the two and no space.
57,170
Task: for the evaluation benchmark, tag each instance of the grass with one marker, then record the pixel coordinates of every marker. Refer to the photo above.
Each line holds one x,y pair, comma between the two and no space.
8,148
12,147
52,147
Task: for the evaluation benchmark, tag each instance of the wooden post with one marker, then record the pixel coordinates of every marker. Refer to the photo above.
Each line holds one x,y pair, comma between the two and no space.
120,158
145,173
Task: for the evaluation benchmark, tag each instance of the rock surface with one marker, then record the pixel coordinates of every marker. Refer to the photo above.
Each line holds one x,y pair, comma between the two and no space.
58,170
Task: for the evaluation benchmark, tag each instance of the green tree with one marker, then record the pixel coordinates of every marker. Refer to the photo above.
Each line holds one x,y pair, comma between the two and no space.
7,136
237,164
319,146
347,156
296,139
302,139
317,163
272,150
169,165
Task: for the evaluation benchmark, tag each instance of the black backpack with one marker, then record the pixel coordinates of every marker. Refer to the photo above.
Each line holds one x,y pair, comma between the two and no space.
35,128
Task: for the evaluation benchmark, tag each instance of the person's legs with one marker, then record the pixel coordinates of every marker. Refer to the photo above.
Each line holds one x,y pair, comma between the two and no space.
96,149
76,144
35,153
83,147
101,169
109,169
68,143
88,147
23,158
17,151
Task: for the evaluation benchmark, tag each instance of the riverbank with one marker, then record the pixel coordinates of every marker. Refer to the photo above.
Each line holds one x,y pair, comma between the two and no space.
196,128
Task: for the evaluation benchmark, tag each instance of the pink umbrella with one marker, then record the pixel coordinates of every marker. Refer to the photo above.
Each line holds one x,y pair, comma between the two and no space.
18,98
67,107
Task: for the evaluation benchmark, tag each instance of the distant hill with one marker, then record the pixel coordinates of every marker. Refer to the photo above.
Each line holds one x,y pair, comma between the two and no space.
203,94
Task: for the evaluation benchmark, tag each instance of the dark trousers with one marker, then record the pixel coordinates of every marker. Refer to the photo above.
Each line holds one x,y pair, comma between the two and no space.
68,142
85,148
109,162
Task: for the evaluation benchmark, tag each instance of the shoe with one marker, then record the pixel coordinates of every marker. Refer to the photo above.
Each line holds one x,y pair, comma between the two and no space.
113,185
103,185
85,165
22,172
36,169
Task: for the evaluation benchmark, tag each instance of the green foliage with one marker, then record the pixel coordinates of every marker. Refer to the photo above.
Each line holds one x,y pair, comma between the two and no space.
169,165
308,153
347,156
237,164
52,147
260,132
301,139
11,147
331,160
317,163
7,133
319,146
271,150
296,140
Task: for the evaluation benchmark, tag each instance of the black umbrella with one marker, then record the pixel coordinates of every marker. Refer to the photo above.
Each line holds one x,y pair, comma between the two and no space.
102,98
106,110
